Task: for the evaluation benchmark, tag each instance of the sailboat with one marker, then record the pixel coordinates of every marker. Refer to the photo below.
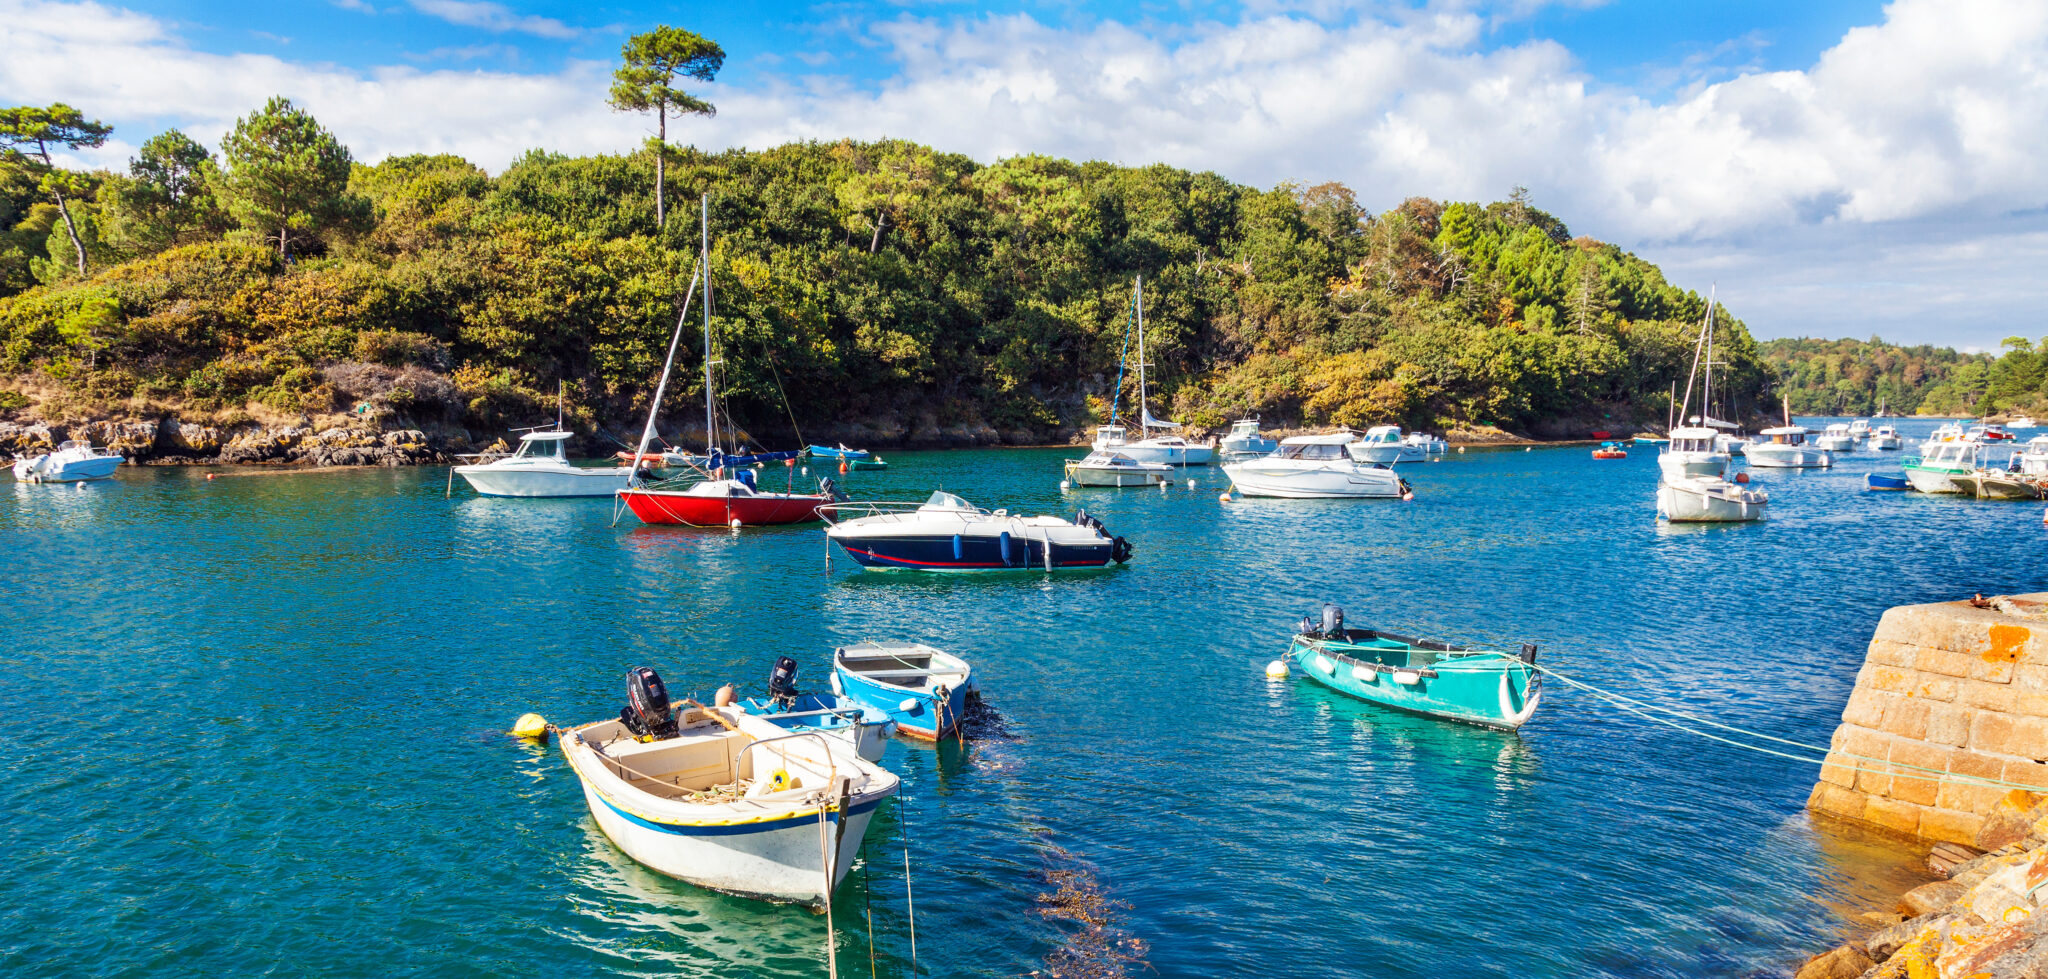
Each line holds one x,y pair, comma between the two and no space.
1171,450
1694,487
710,497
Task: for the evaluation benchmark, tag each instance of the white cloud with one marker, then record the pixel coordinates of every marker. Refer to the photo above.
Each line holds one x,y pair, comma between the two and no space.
495,17
1931,119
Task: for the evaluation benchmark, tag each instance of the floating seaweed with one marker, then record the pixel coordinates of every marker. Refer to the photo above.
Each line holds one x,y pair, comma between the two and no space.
1100,948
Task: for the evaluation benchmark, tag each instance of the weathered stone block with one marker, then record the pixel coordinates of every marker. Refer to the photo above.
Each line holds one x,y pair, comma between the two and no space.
1950,826
1905,717
1967,797
1884,652
1977,765
1866,708
2025,737
1988,696
1942,661
1948,724
1865,745
1892,815
1928,898
1844,962
1834,772
2022,772
1836,800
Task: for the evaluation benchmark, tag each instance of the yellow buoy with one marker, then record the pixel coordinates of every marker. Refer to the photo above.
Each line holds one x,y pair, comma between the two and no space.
530,726
1276,670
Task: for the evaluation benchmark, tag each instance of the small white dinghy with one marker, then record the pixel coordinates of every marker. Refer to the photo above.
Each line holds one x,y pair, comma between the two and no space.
726,800
1108,467
72,462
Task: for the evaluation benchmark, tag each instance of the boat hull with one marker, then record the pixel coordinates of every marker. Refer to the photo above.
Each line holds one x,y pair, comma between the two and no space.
490,481
1169,455
1492,690
1771,455
680,507
821,452
1686,464
775,860
972,552
1928,480
841,717
50,470
1243,448
1320,483
1114,476
1885,443
1385,452
1995,486
1879,481
918,714
1682,502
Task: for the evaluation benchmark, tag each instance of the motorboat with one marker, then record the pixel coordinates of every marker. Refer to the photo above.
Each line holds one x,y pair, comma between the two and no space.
1999,484
1885,438
1836,438
1988,433
864,727
74,461
1245,440
1934,469
1384,444
1732,445
1859,429
1431,445
946,533
541,468
1611,450
1692,453
726,800
1880,481
1786,448
922,690
1473,684
2032,460
2020,423
839,452
1171,450
1708,499
1650,440
1948,432
1114,468
1316,467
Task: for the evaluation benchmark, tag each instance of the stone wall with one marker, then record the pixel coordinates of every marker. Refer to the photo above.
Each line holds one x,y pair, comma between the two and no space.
1947,693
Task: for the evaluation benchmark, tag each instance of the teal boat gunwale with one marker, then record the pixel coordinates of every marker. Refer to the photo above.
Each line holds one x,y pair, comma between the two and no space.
1441,687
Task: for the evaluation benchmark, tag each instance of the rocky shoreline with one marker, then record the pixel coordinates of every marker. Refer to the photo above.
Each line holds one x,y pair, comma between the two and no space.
171,442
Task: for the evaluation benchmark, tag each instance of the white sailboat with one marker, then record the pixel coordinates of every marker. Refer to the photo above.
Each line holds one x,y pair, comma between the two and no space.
1171,450
1693,450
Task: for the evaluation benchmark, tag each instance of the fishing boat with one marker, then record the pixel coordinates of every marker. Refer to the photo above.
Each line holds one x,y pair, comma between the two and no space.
1935,468
719,489
1709,499
1171,450
1836,438
1611,450
1384,444
1692,453
1948,432
864,727
1880,481
1860,429
1997,484
1884,438
946,533
1988,433
921,689
1113,468
1733,445
541,468
74,461
839,452
1246,441
1472,684
725,800
1316,467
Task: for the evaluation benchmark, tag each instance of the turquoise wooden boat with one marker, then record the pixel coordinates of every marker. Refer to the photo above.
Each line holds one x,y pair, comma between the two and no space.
874,464
1472,684
920,688
836,452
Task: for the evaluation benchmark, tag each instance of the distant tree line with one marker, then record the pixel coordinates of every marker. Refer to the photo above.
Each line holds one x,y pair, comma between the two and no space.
1857,377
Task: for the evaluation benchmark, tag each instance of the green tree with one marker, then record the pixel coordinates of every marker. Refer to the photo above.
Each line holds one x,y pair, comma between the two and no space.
646,83
286,177
167,199
28,132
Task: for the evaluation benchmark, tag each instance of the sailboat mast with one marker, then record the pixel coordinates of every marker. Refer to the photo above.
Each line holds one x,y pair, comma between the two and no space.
1685,407
654,409
704,263
1707,393
1144,414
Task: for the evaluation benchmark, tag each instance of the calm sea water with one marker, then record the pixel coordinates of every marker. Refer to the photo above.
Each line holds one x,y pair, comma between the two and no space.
255,725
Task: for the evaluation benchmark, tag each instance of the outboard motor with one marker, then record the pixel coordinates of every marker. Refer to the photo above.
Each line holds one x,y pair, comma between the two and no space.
782,681
647,712
1119,549
1308,627
1333,622
1529,653
829,488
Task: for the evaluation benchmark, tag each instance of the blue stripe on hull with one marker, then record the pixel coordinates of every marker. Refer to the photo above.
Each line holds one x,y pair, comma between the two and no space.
976,554
740,830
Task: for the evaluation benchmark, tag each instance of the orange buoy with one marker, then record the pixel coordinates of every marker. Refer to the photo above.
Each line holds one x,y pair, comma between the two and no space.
1742,477
211,475
842,467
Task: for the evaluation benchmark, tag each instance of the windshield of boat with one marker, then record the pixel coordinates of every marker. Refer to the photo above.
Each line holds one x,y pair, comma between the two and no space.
943,500
1692,445
542,449
1313,451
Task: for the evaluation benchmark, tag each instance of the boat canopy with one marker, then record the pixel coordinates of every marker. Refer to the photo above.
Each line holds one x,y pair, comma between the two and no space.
943,500
1334,438
1382,433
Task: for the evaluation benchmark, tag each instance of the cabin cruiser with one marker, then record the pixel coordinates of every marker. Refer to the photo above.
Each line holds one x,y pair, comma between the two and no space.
1733,445
1110,467
1692,452
1430,444
1384,444
947,533
1932,471
1948,432
541,468
1786,448
1708,499
1245,440
2020,423
1860,428
1885,438
1837,438
1316,467
74,461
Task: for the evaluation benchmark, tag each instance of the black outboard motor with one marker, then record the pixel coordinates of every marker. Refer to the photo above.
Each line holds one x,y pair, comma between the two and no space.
1529,652
647,712
782,681
1333,622
1119,549
829,488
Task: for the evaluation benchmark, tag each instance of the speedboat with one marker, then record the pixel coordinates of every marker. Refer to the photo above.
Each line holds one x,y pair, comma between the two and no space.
1473,684
2020,423
1114,468
1245,440
1383,443
1429,444
1837,438
921,689
1885,438
74,461
1692,453
863,727
1316,467
726,800
723,502
946,533
1934,469
1786,448
1708,499
541,468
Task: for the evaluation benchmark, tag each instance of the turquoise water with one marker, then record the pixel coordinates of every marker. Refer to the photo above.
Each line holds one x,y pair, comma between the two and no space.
255,725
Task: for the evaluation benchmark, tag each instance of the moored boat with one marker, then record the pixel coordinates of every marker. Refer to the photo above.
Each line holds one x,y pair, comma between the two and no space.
74,461
541,468
1115,469
1836,438
946,533
1997,484
1611,450
1880,481
724,800
869,464
1786,447
1316,467
1884,438
1472,684
1692,453
1935,468
866,728
839,452
1709,499
924,691
1384,444
1246,441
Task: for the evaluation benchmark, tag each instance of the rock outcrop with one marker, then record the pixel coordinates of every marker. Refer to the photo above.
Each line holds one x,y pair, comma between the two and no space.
169,441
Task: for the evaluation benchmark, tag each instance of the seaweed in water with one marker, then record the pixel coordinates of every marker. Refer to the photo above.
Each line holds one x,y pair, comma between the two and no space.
1100,948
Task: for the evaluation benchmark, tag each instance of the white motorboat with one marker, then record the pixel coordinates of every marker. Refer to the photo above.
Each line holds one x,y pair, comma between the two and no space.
1948,432
1708,499
1885,438
1934,469
946,533
726,800
1692,452
1384,444
1316,467
1246,441
1171,450
1110,467
1837,438
1860,428
1733,445
1786,448
2019,422
541,468
74,461
2033,459
1431,445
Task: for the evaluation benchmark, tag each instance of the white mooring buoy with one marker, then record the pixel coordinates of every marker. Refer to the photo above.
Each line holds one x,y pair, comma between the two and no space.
1276,670
735,523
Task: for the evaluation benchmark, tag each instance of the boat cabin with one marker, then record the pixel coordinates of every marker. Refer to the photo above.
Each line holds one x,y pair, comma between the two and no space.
1961,456
1389,434
552,447
1103,459
943,500
1110,435
1838,428
1318,448
1244,428
1786,435
1700,440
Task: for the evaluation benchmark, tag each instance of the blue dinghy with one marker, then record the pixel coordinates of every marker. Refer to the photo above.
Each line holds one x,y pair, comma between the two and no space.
1882,482
828,714
920,688
842,452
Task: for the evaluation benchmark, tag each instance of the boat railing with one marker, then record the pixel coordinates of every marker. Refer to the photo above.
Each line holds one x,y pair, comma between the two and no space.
831,767
834,513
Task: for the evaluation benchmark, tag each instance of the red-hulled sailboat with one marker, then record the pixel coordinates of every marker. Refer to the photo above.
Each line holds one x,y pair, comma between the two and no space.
708,496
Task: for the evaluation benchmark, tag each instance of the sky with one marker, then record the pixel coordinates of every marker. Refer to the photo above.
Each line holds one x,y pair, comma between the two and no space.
1830,168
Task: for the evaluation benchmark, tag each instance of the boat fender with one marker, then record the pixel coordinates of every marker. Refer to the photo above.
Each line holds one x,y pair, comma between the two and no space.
1003,542
910,706
1323,663
727,696
735,523
957,554
1365,674
779,780
1407,678
1276,670
1529,652
1742,477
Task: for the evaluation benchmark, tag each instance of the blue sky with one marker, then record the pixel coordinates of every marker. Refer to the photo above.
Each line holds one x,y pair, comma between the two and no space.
1835,168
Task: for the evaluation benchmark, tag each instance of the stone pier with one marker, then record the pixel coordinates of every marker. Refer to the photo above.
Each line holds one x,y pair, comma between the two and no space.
1948,693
